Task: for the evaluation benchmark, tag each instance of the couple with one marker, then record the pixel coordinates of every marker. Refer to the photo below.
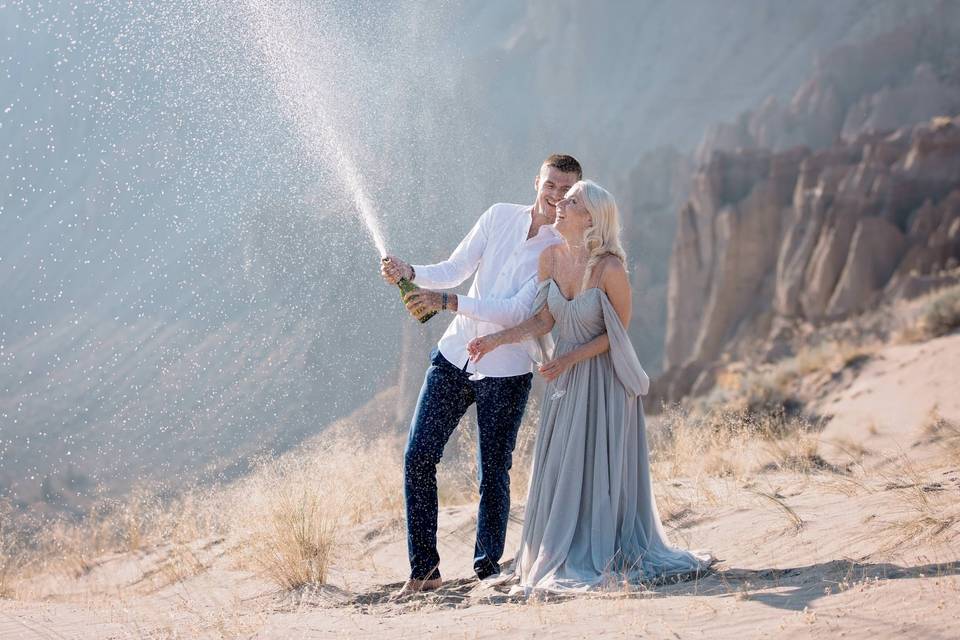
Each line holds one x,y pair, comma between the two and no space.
591,517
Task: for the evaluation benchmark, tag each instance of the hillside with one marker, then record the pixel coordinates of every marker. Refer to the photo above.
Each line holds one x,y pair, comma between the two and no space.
842,524
186,285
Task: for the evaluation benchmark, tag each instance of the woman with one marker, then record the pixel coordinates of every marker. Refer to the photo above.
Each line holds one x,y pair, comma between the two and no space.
591,518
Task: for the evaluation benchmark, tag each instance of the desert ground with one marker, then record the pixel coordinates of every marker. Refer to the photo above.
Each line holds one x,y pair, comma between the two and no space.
840,520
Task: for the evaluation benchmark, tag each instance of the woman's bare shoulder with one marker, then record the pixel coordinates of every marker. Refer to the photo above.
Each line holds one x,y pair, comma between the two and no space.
611,266
613,262
614,272
547,258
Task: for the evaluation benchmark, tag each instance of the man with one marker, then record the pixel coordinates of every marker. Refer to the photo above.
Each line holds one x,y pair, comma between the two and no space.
503,248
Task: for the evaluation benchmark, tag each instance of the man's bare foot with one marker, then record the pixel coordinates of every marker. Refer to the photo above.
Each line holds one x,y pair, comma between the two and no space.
416,586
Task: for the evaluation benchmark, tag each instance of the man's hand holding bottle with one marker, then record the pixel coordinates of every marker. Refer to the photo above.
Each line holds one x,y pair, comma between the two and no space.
421,303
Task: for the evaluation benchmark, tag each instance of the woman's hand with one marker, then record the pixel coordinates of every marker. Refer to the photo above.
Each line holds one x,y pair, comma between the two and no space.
479,347
552,370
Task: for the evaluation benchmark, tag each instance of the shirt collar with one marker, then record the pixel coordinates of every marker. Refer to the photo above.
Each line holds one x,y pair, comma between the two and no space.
546,231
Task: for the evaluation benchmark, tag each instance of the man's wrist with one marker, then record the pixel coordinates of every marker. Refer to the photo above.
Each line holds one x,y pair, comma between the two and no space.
452,304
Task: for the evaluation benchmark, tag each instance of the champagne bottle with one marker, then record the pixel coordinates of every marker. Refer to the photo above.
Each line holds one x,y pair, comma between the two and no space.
406,287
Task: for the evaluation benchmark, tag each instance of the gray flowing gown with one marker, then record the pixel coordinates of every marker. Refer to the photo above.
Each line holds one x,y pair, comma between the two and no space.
591,518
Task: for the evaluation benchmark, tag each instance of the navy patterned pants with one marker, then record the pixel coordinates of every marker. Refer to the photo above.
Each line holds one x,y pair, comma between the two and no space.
446,394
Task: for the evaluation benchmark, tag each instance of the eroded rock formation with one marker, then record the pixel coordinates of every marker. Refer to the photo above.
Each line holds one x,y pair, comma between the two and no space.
810,235
821,207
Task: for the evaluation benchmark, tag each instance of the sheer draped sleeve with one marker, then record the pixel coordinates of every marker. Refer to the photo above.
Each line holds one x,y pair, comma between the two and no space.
626,365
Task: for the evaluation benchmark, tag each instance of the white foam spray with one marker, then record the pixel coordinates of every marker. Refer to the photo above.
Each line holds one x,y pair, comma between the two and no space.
296,60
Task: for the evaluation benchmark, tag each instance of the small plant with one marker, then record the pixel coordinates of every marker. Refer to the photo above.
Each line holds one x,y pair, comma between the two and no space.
774,497
300,536
945,433
729,441
939,317
943,314
10,557
285,516
926,510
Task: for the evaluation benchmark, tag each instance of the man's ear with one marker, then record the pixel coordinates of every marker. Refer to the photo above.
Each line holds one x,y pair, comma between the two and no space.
536,183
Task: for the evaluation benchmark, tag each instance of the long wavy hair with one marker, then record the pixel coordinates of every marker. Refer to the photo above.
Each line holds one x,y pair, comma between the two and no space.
603,237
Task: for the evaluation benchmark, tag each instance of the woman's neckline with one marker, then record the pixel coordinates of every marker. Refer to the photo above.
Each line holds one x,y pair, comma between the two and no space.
578,294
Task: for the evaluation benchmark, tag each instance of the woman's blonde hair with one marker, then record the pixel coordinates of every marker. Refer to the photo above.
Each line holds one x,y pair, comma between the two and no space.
602,238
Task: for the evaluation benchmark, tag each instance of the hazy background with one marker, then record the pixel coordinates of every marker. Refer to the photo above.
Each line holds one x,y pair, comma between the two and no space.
185,282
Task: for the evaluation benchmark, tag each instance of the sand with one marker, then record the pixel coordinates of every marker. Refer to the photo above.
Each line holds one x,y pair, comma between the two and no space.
853,553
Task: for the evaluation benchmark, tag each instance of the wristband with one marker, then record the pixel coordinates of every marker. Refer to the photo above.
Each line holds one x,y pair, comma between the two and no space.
443,304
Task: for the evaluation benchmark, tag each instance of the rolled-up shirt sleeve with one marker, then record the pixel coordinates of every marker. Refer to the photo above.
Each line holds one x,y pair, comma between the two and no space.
462,262
507,312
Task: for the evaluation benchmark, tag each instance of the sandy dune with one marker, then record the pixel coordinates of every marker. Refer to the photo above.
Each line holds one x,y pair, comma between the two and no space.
866,552
886,405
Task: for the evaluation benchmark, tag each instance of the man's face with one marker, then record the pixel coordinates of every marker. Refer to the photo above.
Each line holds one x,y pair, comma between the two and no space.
552,184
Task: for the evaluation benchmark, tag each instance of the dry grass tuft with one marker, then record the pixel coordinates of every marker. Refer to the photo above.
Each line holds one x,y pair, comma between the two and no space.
286,516
720,453
817,363
11,556
943,432
180,564
926,509
939,317
778,500
734,440
282,519
296,541
138,523
779,388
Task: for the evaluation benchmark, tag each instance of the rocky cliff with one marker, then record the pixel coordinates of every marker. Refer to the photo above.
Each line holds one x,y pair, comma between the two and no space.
769,238
821,207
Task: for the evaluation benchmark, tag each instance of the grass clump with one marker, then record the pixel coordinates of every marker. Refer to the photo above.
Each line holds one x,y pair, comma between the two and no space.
925,509
717,457
287,516
283,520
297,542
942,316
734,440
943,432
938,317
11,556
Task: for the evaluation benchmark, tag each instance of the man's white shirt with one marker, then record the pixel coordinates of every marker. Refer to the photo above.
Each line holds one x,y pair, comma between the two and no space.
502,292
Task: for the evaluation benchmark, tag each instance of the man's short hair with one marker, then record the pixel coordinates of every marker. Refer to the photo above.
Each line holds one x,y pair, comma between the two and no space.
567,164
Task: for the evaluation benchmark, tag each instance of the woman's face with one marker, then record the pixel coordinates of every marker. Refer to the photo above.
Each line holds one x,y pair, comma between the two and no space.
573,219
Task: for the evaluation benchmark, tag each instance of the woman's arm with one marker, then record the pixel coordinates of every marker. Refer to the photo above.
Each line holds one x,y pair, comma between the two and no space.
537,325
616,284
533,327
552,370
